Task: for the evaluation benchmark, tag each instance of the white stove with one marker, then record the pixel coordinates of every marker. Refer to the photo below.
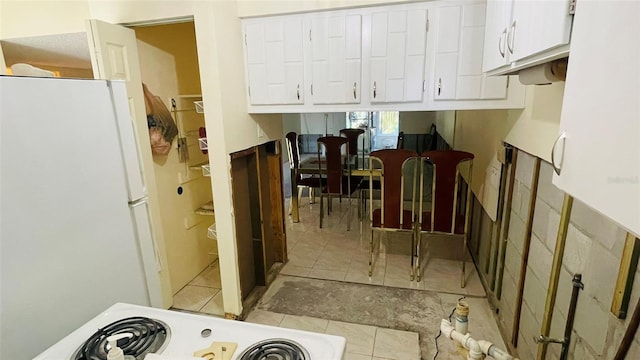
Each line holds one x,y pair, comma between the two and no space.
182,334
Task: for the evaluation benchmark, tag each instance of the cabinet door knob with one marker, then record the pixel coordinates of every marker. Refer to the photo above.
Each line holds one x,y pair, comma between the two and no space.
374,89
298,91
511,37
502,42
439,86
558,168
354,90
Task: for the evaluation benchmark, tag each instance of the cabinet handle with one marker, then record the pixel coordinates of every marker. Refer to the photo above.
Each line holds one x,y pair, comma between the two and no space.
374,89
439,86
354,91
558,168
298,91
502,42
511,37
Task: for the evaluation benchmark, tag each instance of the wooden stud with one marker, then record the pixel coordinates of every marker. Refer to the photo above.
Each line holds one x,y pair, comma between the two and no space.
487,255
626,275
556,267
507,220
496,251
525,252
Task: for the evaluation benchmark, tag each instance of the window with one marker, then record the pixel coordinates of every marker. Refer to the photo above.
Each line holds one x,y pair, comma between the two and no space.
380,128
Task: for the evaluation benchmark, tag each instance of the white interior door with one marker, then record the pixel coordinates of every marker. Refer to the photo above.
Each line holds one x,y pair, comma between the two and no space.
114,56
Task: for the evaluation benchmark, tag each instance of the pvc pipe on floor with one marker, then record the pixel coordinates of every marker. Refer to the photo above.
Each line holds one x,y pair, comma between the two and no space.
476,348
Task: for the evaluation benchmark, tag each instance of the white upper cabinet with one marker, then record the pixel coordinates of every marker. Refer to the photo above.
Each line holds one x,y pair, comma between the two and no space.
459,52
336,57
598,155
398,53
274,60
524,31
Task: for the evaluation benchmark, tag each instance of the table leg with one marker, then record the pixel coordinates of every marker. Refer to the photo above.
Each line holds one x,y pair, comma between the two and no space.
295,215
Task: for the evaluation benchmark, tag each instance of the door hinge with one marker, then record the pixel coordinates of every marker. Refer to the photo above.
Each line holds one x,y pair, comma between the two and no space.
424,85
245,39
249,90
508,79
572,7
311,89
309,35
427,26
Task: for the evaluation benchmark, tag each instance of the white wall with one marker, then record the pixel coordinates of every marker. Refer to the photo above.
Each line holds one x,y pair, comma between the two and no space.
22,18
416,122
316,124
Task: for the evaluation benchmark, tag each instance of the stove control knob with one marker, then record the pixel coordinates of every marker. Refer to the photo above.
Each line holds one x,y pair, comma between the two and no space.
115,353
205,333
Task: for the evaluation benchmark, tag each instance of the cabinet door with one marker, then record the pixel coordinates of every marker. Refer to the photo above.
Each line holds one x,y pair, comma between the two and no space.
336,44
538,26
497,20
398,47
274,58
459,56
600,164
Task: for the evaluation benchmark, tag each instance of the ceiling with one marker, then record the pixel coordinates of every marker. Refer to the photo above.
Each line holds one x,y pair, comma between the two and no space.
60,50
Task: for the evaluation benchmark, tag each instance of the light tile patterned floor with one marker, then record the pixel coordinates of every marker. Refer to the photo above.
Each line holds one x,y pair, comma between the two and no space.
363,341
333,253
203,294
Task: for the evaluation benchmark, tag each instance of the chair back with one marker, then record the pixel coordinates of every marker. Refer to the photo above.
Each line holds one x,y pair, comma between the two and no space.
332,165
445,187
352,135
393,164
293,149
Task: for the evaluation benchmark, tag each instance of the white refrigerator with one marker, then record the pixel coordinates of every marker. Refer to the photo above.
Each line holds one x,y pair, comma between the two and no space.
75,236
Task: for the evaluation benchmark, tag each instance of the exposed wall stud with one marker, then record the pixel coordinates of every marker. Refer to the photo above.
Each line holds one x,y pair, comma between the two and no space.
507,220
556,267
626,274
525,252
497,246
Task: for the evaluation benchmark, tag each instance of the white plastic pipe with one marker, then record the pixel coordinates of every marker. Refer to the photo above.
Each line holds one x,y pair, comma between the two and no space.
476,348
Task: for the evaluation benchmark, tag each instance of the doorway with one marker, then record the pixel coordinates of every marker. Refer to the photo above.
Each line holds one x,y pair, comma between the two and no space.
169,67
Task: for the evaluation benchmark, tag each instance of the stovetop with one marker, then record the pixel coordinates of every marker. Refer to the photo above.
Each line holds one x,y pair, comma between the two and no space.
186,334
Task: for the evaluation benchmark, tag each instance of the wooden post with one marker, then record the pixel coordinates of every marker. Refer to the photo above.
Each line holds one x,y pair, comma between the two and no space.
626,274
496,251
556,267
507,220
525,252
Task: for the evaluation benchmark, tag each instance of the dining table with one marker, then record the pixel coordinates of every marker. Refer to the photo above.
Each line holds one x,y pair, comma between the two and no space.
358,165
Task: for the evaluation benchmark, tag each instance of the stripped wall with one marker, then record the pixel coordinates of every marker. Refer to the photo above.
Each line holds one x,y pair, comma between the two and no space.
593,248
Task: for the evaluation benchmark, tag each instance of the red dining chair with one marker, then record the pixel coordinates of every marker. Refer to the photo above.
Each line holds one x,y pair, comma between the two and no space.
336,170
310,182
444,217
353,135
390,167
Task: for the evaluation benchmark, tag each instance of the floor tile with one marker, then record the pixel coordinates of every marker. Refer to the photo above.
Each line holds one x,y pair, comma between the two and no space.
214,306
360,338
304,323
327,274
396,344
352,356
294,270
264,318
209,277
193,298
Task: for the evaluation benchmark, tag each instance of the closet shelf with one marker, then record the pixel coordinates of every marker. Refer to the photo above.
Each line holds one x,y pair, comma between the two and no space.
202,142
199,106
212,233
206,209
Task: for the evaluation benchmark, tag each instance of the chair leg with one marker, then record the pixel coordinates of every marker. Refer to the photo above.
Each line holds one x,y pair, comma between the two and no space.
349,214
413,255
371,253
321,209
418,236
312,196
463,281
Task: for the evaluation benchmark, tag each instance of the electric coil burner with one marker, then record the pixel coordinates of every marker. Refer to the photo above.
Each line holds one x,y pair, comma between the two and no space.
148,336
275,349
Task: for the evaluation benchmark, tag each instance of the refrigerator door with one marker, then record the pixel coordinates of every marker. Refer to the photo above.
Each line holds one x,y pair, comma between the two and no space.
68,246
148,251
130,153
